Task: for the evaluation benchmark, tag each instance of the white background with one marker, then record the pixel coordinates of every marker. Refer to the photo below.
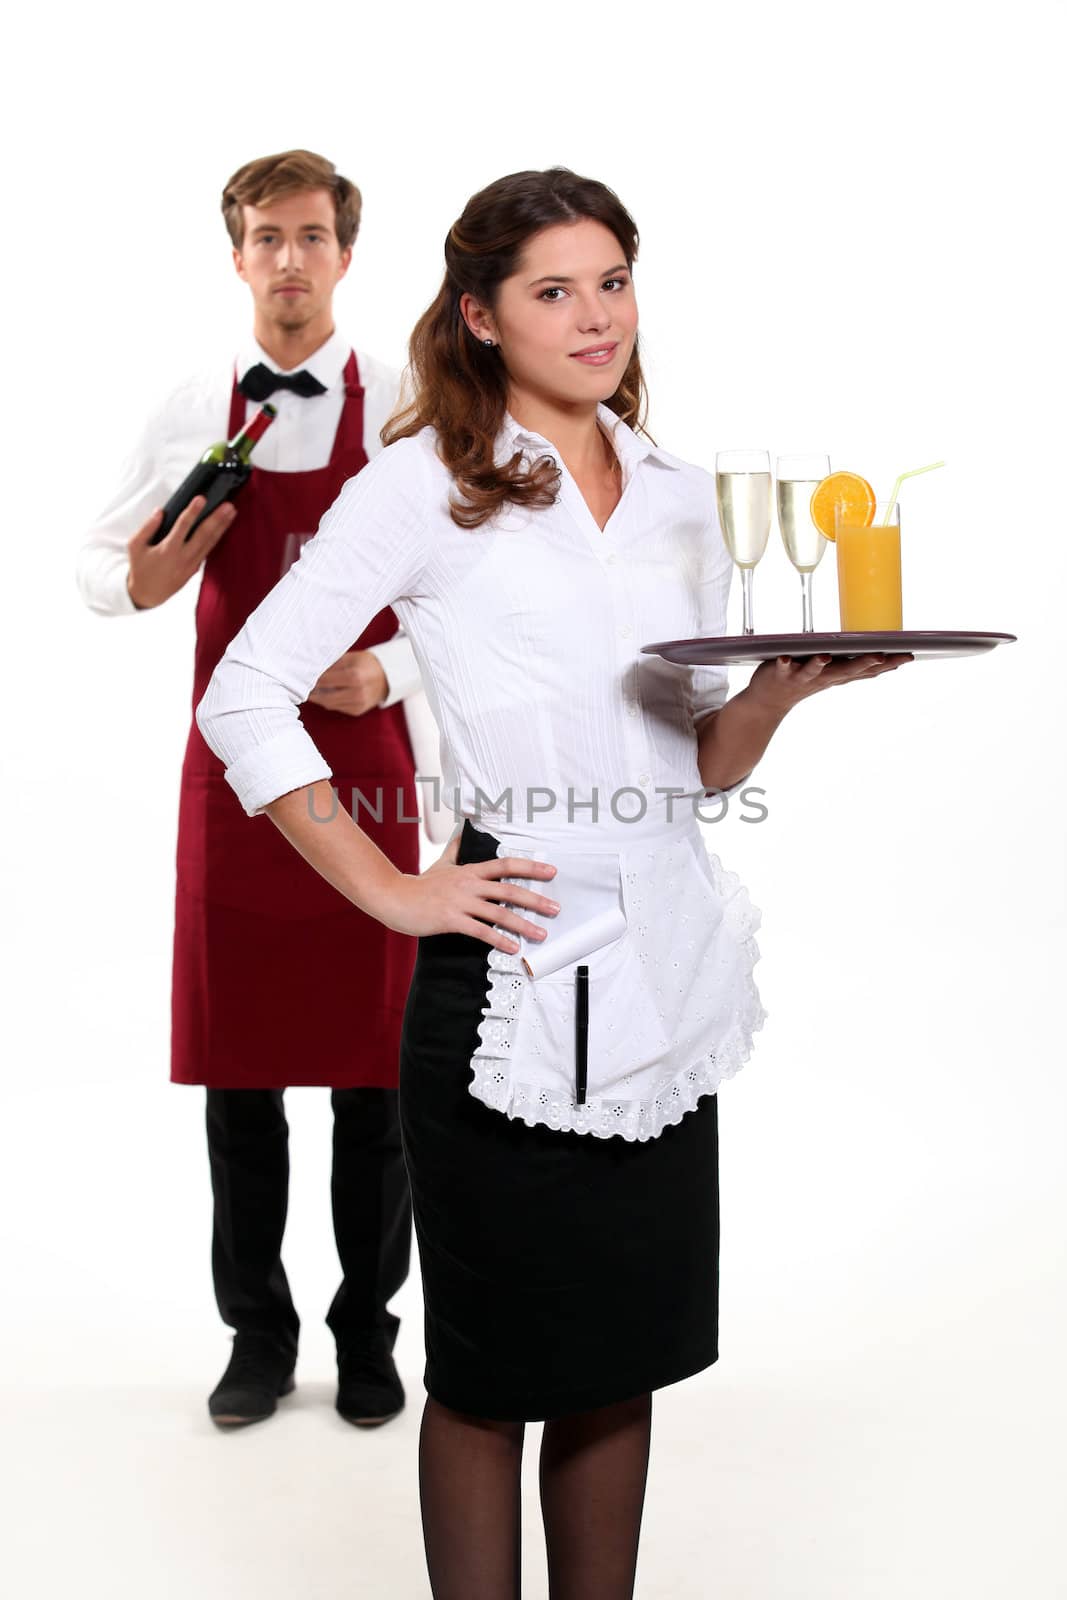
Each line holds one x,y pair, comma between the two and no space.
850,242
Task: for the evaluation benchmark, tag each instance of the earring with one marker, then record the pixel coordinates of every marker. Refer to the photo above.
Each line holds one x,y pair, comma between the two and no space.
487,341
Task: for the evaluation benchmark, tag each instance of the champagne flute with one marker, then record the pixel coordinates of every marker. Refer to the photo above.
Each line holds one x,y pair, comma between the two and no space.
804,544
743,489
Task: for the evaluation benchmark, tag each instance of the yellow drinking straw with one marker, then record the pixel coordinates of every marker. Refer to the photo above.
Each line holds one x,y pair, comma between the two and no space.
900,480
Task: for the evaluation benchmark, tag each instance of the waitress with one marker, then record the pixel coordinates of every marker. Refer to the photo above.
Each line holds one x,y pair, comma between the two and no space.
584,977
278,980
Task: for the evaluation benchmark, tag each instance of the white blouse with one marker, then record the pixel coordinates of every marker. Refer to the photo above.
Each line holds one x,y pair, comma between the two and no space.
558,737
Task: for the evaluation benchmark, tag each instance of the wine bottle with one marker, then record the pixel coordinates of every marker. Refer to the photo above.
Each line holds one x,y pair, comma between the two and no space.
222,470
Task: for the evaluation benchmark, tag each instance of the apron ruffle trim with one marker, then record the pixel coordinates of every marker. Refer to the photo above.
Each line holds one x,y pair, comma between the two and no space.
607,1117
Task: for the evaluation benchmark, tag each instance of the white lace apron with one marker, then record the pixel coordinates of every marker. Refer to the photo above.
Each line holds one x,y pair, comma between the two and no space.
666,935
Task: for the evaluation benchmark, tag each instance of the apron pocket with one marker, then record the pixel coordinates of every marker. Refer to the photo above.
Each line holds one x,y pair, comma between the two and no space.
590,928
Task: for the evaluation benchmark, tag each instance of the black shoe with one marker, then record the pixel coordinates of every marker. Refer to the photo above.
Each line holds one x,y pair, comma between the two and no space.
369,1390
259,1371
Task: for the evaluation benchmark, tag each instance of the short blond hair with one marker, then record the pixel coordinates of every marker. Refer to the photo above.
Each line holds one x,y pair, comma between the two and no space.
270,178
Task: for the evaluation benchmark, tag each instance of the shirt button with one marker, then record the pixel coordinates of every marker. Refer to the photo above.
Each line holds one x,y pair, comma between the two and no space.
625,631
645,779
632,709
611,560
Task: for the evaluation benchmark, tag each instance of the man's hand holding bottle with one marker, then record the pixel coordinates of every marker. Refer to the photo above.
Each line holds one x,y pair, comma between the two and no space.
158,571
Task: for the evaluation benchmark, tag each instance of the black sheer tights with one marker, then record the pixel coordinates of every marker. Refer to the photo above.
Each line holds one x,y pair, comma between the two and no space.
592,1474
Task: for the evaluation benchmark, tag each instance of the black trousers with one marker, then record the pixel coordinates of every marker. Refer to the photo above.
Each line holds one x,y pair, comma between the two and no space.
248,1151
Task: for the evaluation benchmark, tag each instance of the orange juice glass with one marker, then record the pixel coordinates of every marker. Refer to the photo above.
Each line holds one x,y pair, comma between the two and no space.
868,571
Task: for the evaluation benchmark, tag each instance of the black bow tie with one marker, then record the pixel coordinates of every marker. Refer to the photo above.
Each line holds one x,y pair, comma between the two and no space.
259,383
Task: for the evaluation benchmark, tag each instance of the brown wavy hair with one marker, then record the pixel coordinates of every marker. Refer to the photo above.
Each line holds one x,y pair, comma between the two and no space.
461,385
271,178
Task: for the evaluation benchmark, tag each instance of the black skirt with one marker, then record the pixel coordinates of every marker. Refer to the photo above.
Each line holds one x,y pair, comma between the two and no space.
561,1271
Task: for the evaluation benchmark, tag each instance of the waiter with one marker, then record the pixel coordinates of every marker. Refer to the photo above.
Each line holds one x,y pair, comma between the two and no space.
278,980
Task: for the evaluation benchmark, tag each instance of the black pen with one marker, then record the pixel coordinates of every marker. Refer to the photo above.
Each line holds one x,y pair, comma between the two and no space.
581,1042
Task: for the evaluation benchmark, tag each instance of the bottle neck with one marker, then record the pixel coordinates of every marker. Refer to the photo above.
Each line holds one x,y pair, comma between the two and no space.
243,443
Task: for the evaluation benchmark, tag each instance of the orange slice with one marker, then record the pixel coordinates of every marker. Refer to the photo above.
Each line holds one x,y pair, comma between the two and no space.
846,491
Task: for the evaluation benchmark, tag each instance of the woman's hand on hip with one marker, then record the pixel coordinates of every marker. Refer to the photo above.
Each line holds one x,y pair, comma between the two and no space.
447,898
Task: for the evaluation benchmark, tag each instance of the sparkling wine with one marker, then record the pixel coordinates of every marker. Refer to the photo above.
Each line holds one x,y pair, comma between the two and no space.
222,470
745,513
804,544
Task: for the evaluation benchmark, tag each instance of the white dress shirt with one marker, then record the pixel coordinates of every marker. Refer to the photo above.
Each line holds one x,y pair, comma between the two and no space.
528,632
195,414
300,439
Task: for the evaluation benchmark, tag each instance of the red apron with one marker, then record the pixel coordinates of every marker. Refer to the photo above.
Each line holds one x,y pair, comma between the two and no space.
279,980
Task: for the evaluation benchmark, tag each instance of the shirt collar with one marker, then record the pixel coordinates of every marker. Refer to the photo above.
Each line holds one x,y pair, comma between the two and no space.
327,363
630,447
